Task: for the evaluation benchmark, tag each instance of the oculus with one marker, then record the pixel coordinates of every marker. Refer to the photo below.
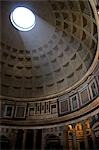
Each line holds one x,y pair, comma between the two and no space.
22,18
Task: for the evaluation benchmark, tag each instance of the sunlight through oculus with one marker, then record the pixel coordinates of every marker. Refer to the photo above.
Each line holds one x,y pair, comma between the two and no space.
23,19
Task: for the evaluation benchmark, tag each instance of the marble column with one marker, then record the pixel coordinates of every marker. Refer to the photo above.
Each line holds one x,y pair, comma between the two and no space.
85,135
93,137
14,139
66,137
74,138
24,139
34,139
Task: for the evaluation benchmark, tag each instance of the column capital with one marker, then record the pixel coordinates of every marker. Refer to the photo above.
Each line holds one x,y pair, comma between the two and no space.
24,131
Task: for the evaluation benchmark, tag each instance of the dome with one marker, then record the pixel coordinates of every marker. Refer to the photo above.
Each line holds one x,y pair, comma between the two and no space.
54,55
49,75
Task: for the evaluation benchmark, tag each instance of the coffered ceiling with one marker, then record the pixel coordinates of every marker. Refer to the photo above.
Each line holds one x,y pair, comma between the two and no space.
51,57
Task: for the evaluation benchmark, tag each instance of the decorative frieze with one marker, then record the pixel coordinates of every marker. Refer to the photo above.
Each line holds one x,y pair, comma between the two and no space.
54,107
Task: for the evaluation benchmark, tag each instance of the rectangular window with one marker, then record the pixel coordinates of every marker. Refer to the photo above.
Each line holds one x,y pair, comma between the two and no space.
20,111
74,102
9,110
84,95
63,106
93,89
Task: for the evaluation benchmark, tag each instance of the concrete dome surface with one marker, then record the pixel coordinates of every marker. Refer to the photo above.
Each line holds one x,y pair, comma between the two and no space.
51,57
